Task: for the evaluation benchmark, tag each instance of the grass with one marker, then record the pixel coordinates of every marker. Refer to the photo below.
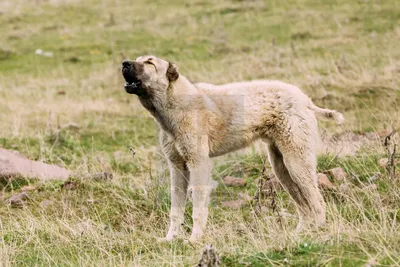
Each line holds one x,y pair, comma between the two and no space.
344,54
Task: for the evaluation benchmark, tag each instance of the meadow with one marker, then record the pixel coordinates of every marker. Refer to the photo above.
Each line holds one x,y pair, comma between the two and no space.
60,66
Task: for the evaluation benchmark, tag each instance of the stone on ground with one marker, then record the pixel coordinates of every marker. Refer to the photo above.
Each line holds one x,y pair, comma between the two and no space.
12,164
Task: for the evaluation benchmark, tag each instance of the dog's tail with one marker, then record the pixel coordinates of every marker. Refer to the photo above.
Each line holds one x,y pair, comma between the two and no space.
327,113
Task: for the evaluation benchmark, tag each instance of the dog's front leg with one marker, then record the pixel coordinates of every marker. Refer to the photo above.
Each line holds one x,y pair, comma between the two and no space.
179,184
200,179
179,175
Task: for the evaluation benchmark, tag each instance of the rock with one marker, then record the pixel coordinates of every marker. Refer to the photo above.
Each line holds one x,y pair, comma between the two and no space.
45,203
344,188
209,258
18,199
383,133
15,165
246,197
383,162
233,181
92,201
371,263
28,188
84,210
324,182
84,226
322,94
69,185
346,143
371,135
373,178
233,204
118,154
3,159
71,126
101,176
338,174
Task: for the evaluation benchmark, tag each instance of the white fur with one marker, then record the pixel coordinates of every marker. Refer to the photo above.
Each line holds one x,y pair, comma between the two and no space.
201,121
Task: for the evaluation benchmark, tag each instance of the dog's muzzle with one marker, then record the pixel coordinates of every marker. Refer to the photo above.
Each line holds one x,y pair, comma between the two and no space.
132,82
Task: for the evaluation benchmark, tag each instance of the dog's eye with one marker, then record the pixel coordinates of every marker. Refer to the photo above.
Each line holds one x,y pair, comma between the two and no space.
149,62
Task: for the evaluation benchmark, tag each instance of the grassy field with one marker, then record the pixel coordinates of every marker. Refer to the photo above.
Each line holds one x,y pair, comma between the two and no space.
344,54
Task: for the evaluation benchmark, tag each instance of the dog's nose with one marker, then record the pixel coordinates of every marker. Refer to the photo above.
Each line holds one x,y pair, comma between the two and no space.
126,63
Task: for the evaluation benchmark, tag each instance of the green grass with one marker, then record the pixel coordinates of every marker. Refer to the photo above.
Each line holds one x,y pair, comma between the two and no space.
344,54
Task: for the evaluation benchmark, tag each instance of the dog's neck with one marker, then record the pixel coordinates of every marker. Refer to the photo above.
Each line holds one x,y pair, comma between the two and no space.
168,109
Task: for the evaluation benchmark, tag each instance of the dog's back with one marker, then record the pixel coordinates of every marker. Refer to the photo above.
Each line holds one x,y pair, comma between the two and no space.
280,93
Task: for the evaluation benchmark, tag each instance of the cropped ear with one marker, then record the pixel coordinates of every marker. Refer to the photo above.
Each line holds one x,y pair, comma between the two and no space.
172,72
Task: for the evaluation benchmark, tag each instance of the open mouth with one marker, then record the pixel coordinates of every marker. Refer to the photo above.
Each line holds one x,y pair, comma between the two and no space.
132,83
131,86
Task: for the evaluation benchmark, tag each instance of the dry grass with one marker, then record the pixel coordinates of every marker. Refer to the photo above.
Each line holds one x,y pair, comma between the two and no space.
343,54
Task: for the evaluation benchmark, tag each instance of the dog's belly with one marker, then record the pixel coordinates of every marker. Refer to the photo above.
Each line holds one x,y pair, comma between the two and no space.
220,146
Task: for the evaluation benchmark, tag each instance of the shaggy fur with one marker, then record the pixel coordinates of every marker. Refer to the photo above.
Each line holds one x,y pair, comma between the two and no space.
201,121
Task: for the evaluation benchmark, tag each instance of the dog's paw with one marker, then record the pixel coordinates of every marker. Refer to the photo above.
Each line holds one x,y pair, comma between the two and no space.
195,238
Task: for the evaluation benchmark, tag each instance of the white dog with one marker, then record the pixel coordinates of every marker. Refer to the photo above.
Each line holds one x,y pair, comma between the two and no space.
202,121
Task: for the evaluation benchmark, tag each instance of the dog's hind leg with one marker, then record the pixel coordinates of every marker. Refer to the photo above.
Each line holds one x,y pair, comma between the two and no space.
297,174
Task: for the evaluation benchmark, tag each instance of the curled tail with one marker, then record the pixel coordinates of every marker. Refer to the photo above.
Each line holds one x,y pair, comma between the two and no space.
327,113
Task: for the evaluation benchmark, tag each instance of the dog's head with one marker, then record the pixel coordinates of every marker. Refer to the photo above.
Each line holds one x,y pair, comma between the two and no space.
148,75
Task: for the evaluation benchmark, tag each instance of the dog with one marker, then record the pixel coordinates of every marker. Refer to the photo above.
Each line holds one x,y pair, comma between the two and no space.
201,121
